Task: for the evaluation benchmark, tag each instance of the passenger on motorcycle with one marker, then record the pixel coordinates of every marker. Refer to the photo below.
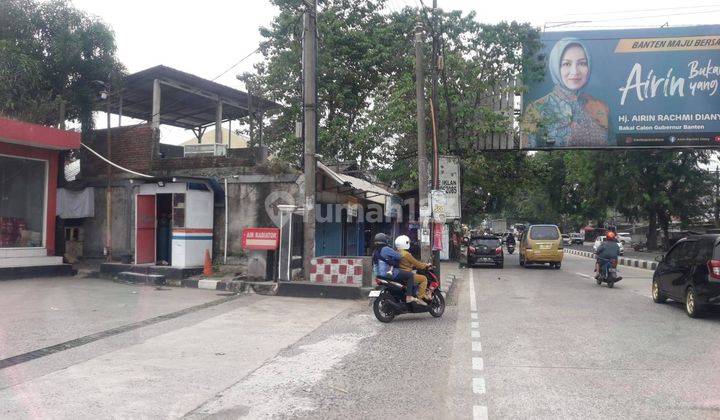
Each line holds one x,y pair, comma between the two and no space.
606,253
510,240
386,263
409,263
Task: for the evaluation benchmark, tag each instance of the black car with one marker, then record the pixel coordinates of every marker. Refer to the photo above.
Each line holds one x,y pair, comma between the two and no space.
485,249
690,273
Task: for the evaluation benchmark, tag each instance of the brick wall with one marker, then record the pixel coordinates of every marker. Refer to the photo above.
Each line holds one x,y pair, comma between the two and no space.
197,162
132,149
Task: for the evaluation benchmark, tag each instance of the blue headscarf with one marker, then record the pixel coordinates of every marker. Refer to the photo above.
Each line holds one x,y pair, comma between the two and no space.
556,58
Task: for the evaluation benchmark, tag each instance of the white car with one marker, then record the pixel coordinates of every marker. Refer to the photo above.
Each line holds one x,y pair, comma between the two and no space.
624,238
600,239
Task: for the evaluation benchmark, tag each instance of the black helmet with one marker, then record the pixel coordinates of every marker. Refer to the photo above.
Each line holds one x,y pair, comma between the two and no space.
381,239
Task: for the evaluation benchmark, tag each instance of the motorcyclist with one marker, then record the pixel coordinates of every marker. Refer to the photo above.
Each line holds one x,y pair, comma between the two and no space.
510,240
409,263
608,251
386,263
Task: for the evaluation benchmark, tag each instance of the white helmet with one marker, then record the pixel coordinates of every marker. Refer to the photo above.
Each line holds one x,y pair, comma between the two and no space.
402,242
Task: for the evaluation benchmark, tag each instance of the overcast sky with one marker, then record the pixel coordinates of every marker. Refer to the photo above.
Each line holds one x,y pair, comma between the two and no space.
207,37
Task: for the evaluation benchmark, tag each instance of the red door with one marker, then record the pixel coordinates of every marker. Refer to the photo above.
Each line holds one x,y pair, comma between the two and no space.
145,229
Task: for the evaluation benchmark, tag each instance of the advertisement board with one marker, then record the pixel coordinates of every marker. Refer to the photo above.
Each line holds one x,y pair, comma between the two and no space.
449,180
260,238
625,88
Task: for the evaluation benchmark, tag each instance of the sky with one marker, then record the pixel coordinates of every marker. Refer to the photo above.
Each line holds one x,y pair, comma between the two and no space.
207,37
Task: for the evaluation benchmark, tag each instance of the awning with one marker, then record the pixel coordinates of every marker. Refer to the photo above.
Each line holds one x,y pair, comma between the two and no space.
361,188
28,134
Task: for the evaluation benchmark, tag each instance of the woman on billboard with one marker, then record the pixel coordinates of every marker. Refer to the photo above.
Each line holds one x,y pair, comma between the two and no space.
567,117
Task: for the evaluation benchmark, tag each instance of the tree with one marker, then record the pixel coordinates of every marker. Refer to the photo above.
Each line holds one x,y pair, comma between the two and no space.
51,52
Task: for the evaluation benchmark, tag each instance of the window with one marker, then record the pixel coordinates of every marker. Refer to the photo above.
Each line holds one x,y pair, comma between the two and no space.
680,254
544,233
22,202
179,210
488,242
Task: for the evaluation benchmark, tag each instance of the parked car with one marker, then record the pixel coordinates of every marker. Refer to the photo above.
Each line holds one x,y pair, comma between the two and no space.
566,239
600,239
624,238
484,249
577,238
690,273
541,244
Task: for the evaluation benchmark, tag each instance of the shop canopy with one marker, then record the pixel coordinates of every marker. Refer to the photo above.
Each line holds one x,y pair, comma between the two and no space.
188,101
40,136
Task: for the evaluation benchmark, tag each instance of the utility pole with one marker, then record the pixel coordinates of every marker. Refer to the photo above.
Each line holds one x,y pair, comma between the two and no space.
108,189
310,129
425,249
435,55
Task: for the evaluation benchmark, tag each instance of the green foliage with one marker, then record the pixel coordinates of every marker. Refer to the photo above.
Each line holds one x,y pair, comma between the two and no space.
50,51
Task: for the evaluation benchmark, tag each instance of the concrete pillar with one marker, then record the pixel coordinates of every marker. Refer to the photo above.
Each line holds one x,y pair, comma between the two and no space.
218,123
156,109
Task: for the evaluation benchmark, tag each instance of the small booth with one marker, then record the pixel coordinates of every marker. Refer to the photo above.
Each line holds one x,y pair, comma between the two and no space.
29,155
174,223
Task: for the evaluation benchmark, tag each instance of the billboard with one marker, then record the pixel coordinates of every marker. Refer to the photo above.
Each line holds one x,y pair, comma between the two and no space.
626,88
449,180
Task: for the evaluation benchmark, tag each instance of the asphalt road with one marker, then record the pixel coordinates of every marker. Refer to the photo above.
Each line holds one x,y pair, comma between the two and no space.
513,343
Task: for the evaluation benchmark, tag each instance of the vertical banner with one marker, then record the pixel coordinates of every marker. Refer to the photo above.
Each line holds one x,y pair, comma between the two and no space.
449,180
437,237
445,251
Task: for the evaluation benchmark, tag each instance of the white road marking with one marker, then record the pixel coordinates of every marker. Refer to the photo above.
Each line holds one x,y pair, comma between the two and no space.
473,315
479,385
473,303
476,346
477,363
475,334
474,324
480,412
584,275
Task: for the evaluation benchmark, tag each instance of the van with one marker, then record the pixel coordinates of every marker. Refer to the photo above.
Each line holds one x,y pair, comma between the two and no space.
541,244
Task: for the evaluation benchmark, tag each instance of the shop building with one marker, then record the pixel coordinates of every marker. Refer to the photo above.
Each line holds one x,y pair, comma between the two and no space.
29,157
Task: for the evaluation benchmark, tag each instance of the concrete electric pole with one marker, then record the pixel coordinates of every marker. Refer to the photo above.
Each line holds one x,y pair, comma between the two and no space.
425,249
310,129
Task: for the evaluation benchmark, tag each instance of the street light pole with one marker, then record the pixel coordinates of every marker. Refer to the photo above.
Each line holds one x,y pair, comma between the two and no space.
425,249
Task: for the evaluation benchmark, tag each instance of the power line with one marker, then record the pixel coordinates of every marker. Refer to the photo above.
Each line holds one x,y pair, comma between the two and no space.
237,64
644,10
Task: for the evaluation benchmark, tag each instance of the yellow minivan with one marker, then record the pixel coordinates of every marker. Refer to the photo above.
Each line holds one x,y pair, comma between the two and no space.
541,244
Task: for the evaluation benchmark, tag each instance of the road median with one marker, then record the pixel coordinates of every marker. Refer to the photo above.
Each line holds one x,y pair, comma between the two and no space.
630,262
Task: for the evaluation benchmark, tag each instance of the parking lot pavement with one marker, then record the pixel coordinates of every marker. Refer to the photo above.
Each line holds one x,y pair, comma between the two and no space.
45,311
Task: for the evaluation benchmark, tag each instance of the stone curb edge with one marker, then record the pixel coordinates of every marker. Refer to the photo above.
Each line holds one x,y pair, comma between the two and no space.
630,262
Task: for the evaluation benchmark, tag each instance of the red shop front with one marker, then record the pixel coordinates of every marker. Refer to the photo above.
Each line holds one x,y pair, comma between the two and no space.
29,158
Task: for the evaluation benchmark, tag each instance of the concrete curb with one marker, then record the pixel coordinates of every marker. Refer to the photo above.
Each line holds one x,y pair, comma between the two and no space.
630,262
234,286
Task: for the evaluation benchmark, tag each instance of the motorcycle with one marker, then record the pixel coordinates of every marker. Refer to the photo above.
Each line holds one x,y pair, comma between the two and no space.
511,248
388,299
608,273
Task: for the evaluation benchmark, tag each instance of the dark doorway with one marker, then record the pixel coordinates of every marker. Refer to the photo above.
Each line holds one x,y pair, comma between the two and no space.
164,229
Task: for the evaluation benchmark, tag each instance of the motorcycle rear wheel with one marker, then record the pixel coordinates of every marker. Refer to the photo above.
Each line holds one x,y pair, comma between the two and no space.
437,305
383,310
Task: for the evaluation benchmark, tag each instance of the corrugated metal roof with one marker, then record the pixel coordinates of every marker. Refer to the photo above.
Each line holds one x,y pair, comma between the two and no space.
372,192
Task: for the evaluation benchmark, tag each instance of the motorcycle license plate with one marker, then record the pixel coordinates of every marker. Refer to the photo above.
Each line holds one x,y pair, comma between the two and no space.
374,293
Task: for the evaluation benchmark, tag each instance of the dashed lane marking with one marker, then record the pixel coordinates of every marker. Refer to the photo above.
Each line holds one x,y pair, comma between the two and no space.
584,275
476,346
475,334
473,315
474,324
477,363
479,385
480,412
